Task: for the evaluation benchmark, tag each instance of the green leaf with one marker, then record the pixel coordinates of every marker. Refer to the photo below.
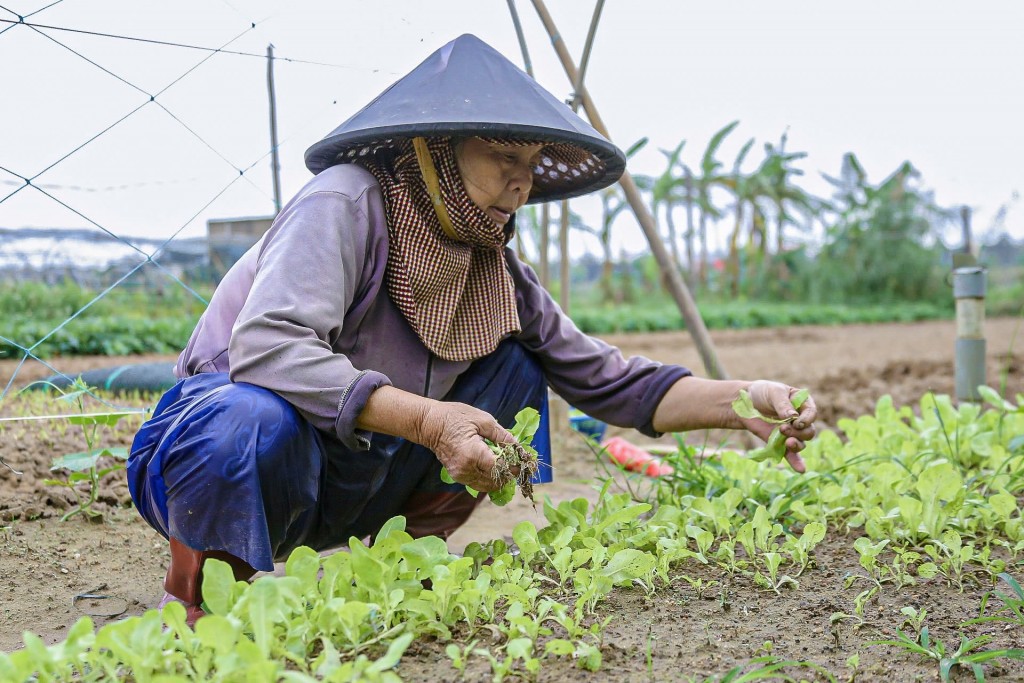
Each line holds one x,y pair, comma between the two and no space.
813,533
394,654
774,449
109,419
396,523
744,407
520,648
628,564
800,397
445,477
217,632
76,462
266,608
218,579
1003,504
304,564
527,422
505,494
525,536
119,452
992,397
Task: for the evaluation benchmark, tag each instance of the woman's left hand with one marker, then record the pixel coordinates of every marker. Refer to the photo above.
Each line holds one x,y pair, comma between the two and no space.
774,399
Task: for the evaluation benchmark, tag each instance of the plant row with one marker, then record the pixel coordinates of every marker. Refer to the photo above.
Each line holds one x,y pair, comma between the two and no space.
137,331
119,335
930,495
666,317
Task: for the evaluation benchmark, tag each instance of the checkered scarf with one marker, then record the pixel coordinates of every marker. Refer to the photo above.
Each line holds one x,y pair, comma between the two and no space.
457,295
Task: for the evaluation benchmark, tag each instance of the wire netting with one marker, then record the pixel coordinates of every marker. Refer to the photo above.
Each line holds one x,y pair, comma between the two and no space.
123,135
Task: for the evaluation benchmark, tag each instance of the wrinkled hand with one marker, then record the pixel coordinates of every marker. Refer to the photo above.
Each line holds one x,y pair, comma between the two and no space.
774,399
455,432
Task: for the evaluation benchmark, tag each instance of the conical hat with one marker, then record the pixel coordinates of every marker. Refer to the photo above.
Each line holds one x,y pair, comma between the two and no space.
469,89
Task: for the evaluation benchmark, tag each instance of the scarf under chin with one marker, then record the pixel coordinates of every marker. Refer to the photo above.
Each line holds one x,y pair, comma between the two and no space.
457,294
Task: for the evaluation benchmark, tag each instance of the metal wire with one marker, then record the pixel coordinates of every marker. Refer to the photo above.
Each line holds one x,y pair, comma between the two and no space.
168,43
147,258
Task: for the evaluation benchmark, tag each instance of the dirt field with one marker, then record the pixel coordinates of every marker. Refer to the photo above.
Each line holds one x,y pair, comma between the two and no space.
45,564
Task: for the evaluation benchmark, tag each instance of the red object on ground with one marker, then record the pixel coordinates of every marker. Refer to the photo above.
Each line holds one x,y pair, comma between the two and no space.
634,458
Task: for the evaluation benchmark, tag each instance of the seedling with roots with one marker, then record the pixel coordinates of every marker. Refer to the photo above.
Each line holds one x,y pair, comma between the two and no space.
515,463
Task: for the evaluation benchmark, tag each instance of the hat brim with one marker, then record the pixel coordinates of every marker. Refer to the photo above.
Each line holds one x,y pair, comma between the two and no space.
569,166
467,89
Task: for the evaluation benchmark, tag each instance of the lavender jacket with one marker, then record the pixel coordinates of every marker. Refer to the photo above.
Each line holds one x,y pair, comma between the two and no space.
306,313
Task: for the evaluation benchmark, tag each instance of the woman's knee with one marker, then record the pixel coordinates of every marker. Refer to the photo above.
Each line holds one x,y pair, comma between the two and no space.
240,425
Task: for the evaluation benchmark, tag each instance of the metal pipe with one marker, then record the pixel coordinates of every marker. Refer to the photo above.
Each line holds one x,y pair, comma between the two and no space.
969,292
275,165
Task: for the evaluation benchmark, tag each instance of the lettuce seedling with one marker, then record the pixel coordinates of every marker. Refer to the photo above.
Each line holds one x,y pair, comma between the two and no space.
776,446
519,456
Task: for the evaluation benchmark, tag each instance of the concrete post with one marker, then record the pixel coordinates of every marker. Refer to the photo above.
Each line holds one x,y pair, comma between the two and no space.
969,292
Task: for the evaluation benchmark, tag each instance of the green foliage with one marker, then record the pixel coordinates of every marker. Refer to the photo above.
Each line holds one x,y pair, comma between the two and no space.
61,301
83,468
658,315
968,654
103,336
121,321
877,248
1012,610
775,449
901,483
523,457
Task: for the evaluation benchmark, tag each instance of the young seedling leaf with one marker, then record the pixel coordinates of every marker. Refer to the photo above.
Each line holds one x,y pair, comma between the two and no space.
76,462
744,407
775,448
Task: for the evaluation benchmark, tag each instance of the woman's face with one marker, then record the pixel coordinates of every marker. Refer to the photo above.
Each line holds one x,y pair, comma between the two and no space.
497,177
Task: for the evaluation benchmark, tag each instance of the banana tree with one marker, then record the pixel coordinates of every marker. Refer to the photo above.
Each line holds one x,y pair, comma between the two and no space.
746,190
709,178
613,203
883,235
783,195
666,194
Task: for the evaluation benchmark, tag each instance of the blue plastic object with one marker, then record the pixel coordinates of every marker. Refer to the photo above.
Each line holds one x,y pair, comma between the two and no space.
586,425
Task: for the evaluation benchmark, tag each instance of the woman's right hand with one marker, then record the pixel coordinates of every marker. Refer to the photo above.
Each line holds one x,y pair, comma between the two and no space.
455,432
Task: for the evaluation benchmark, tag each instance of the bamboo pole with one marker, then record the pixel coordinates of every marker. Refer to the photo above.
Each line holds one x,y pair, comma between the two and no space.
677,288
564,269
544,242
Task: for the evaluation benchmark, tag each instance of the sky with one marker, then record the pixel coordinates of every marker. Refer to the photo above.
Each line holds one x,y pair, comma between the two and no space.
152,140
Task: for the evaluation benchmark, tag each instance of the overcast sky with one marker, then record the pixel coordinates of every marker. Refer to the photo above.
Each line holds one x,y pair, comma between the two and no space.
937,83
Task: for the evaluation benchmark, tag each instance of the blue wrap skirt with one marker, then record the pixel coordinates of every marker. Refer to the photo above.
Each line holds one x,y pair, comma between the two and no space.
234,467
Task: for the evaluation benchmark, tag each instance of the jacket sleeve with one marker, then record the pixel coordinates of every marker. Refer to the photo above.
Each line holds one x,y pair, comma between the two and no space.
307,276
590,374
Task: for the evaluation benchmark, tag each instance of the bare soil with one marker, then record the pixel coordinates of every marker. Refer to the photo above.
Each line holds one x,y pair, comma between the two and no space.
49,569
